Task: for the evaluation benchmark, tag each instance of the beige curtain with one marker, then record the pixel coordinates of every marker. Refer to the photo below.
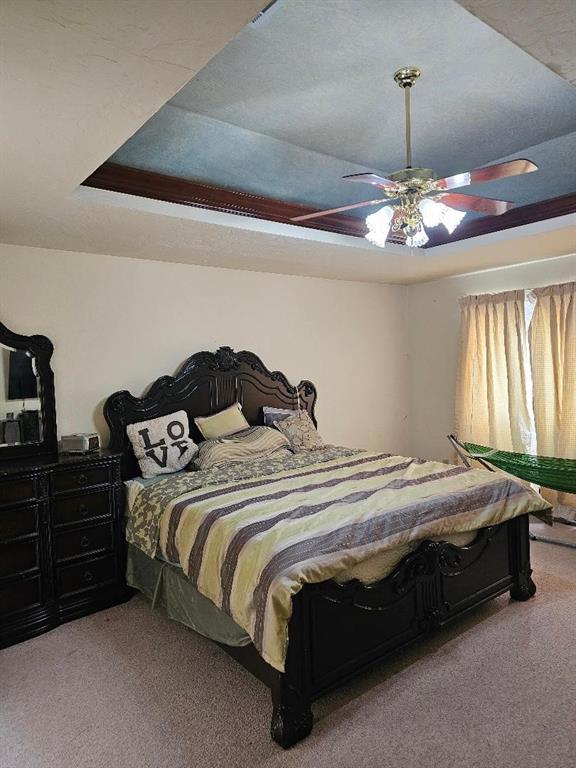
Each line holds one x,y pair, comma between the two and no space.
553,353
493,383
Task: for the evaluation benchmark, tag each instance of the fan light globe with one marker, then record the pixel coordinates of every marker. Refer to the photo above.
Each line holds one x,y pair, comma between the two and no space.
451,218
431,212
379,224
434,213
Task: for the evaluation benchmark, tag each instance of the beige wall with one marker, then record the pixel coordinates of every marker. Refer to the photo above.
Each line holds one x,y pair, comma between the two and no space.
433,326
119,323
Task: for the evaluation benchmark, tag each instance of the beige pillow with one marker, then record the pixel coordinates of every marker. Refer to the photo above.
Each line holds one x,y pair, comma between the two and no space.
300,431
226,422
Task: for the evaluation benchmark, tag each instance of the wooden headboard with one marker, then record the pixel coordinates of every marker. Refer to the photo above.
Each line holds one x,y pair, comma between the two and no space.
206,383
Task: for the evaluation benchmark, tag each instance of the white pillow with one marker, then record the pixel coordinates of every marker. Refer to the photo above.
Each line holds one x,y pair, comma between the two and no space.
162,445
226,422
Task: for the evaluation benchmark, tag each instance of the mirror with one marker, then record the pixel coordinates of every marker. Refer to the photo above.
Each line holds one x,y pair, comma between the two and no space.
27,413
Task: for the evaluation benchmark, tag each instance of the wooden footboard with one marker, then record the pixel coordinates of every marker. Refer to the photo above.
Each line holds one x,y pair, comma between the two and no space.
337,630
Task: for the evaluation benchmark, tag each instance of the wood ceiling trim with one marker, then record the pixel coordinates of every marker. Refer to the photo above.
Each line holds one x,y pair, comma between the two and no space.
172,189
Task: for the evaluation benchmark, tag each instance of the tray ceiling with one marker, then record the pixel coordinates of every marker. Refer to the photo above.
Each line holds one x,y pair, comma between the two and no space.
83,77
305,96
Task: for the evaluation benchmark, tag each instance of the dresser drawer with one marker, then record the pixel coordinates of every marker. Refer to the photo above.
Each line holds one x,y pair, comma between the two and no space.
20,594
18,556
86,575
20,521
72,479
83,541
13,491
75,509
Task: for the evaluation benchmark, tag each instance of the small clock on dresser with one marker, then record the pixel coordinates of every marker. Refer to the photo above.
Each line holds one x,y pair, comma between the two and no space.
61,516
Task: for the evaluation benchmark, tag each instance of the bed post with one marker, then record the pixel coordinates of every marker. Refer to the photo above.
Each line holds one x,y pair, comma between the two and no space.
292,718
523,587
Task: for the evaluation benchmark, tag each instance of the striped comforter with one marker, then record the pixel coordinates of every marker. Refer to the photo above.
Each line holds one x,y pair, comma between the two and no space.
249,544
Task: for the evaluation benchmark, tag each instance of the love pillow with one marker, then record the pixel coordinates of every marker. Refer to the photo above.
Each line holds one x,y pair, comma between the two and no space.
162,445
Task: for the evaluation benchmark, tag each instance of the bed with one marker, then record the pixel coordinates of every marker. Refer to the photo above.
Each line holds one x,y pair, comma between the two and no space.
338,626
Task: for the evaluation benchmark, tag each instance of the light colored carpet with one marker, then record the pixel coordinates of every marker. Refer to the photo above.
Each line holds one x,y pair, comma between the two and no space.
557,532
126,688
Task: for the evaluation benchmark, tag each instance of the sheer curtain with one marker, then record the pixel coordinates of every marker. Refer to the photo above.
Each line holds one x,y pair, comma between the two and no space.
553,356
493,388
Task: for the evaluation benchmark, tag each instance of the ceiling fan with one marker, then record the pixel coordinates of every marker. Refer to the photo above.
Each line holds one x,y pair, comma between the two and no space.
414,198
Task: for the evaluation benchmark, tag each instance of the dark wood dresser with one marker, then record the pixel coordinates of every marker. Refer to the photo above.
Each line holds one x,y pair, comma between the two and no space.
61,541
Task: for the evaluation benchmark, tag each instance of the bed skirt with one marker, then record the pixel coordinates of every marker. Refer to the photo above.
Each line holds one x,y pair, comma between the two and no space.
168,589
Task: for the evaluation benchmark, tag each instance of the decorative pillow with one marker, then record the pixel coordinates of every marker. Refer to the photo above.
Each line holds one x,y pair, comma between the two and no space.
226,422
162,445
276,414
252,443
300,431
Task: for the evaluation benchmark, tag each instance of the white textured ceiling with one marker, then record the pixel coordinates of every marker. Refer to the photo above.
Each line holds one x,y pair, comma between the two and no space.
546,29
80,77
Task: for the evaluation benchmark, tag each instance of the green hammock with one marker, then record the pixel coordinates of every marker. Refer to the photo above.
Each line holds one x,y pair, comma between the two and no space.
547,471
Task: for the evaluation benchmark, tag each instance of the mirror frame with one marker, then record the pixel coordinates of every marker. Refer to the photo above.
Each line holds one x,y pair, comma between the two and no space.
41,348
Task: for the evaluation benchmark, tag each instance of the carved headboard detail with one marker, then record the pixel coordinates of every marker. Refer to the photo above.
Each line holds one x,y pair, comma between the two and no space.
206,383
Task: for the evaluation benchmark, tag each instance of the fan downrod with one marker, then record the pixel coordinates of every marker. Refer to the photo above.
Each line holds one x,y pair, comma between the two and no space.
406,77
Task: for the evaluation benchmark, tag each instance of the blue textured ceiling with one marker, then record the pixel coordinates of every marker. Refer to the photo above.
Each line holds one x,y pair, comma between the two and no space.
305,96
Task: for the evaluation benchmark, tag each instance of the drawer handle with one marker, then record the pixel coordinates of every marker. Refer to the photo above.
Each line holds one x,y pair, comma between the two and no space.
82,510
88,577
81,479
84,542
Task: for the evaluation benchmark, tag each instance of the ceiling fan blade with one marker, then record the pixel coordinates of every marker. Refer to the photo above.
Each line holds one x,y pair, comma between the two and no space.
372,178
485,205
317,214
491,173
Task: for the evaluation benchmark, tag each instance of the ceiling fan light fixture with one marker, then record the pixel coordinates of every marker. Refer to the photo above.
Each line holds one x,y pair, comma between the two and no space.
379,224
